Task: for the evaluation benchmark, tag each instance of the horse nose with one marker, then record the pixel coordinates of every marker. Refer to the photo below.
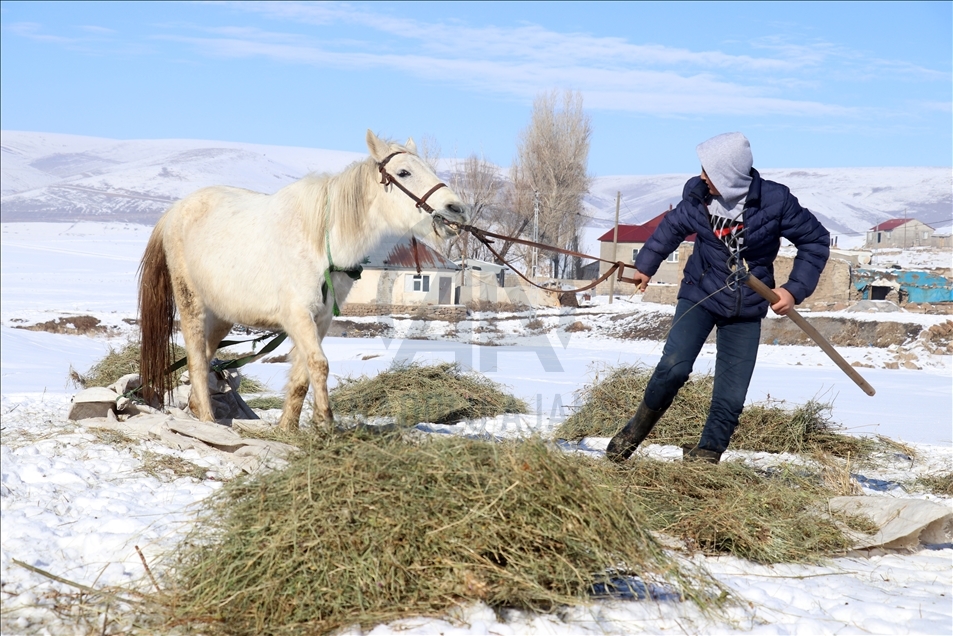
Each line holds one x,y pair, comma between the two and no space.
458,209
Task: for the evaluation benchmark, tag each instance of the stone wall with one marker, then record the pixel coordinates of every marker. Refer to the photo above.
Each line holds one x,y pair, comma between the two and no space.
833,287
451,313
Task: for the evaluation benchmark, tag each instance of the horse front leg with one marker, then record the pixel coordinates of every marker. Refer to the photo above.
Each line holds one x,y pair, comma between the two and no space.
318,368
295,392
307,338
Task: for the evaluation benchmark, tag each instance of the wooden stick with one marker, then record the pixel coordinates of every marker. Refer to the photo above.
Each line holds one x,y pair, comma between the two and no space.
768,294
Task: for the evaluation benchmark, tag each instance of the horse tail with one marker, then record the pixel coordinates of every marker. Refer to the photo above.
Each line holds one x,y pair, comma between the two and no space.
156,319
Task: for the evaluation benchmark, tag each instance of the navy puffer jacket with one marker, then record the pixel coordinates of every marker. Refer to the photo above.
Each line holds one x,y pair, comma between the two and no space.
771,211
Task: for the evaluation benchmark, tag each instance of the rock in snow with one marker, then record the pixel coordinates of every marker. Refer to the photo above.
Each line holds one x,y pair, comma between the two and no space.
93,402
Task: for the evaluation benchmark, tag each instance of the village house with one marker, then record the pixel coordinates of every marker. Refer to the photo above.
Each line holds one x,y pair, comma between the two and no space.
631,239
391,284
900,233
390,277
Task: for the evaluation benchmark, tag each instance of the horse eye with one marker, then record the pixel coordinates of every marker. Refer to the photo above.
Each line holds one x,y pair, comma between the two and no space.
403,174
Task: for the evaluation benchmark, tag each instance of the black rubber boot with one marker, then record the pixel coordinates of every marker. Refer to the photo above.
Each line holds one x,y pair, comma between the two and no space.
628,439
700,455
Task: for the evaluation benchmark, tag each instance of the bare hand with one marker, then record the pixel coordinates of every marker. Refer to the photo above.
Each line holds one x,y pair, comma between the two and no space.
641,280
785,302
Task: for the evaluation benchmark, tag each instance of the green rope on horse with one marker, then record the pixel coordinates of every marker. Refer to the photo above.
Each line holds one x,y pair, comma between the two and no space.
277,338
353,272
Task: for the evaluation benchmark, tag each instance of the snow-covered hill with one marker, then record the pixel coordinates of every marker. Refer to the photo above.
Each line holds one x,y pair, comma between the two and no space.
847,200
53,177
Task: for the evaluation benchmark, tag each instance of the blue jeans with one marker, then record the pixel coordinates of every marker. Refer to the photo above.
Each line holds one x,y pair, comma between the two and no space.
737,349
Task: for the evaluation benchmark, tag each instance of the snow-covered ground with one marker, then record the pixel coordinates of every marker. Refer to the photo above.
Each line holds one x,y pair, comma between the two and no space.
75,505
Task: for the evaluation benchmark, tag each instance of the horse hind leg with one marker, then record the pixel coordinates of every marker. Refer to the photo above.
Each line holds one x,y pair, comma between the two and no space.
192,316
296,391
215,330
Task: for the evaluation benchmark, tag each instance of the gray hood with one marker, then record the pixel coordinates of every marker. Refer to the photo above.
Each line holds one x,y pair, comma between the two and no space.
727,162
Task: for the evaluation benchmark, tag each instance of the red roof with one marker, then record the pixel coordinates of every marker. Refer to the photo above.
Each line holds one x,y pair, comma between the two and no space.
889,225
638,233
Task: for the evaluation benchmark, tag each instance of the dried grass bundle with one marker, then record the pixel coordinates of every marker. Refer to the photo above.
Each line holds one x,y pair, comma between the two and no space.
115,364
372,529
412,393
125,360
607,404
766,517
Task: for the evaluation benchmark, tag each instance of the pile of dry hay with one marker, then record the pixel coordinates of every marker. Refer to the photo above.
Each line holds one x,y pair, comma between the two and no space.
125,360
609,402
412,393
766,517
372,529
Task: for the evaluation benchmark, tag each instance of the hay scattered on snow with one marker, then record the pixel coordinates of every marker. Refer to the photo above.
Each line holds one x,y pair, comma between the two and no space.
766,517
265,402
115,364
609,402
941,484
125,360
413,393
368,530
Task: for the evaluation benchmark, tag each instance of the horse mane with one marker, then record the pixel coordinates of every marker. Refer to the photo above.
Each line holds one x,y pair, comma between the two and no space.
348,198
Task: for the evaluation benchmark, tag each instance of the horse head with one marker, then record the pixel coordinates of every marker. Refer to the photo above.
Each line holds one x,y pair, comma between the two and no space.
416,198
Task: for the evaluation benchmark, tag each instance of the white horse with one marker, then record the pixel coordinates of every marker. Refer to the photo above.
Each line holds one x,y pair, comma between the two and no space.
229,256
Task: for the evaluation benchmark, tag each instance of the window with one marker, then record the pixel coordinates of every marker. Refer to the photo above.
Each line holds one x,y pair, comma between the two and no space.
417,283
672,258
635,252
878,237
421,283
926,235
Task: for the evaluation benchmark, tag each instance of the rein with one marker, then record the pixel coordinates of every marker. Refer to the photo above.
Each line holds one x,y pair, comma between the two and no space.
484,236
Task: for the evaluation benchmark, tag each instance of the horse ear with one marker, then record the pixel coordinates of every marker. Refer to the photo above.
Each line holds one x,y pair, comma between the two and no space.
410,145
378,149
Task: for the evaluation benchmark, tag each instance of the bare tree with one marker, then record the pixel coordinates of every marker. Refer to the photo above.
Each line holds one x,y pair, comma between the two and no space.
552,158
479,184
429,150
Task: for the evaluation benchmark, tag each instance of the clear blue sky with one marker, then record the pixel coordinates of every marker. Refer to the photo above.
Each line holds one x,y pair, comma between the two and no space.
811,84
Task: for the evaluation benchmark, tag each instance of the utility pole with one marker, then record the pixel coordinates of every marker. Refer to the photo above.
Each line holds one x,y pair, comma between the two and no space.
905,228
615,243
535,232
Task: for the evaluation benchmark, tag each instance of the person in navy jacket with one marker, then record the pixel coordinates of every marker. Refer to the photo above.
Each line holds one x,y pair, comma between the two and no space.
738,219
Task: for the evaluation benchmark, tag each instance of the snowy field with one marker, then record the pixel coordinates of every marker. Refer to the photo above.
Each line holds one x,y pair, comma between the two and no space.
76,506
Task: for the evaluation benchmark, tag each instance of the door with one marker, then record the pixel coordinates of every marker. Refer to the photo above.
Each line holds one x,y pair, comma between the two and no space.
444,293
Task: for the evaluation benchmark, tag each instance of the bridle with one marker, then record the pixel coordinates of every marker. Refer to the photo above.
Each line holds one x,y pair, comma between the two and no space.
388,179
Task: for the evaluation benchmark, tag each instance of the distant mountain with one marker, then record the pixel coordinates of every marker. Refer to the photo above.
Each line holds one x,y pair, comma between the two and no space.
53,177
848,201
